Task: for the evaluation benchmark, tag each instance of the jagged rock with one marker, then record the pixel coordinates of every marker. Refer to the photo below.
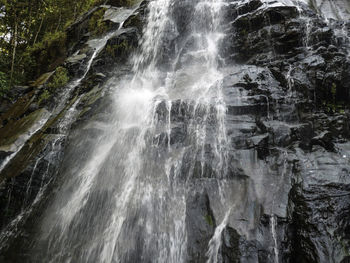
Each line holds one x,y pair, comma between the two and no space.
76,58
324,139
261,144
230,250
117,50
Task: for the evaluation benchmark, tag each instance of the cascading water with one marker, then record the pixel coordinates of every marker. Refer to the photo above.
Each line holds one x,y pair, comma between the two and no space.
55,146
178,168
273,223
127,201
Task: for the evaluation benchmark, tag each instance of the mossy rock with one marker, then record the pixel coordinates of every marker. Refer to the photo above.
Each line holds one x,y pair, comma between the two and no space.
44,97
59,79
18,109
43,79
134,21
33,146
209,220
89,102
97,25
121,3
14,133
117,50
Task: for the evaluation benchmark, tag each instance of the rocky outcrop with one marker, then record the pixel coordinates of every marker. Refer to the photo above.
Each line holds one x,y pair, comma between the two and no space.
299,67
33,129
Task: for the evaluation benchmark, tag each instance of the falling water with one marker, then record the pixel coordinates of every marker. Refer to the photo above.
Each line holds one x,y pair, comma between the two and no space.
215,242
127,201
125,185
273,223
55,145
97,45
35,128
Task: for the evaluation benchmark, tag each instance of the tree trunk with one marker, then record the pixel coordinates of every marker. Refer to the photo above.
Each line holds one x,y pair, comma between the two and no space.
29,25
59,22
14,45
37,33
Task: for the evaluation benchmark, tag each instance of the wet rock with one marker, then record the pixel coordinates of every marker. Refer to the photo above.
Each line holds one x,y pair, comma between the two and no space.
319,208
303,133
230,250
117,50
14,134
18,91
76,58
200,224
261,144
324,139
78,32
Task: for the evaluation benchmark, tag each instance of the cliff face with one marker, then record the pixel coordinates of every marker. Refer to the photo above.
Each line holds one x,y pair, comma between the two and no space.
34,128
283,193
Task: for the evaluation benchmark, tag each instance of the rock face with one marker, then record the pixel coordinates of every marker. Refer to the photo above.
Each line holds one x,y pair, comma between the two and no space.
286,86
33,129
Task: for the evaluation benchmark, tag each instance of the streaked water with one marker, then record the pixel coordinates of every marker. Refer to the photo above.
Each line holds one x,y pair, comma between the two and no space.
127,201
124,196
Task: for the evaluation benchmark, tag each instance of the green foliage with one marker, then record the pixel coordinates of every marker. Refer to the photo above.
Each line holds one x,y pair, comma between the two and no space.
49,39
44,96
32,36
59,79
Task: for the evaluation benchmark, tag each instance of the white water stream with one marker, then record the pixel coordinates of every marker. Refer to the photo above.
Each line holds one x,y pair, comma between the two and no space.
143,199
126,201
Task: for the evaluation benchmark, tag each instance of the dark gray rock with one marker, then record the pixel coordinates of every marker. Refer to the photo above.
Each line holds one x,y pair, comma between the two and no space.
200,223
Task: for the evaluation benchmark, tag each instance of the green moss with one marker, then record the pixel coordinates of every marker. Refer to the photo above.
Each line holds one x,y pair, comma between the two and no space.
122,46
44,96
209,220
131,2
60,78
110,50
134,21
119,50
96,24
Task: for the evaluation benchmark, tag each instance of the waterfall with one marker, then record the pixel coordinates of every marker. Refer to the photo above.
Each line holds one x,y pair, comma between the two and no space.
127,201
189,156
273,222
216,241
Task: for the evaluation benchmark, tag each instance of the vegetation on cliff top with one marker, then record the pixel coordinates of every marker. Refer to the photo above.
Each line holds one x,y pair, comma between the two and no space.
32,36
